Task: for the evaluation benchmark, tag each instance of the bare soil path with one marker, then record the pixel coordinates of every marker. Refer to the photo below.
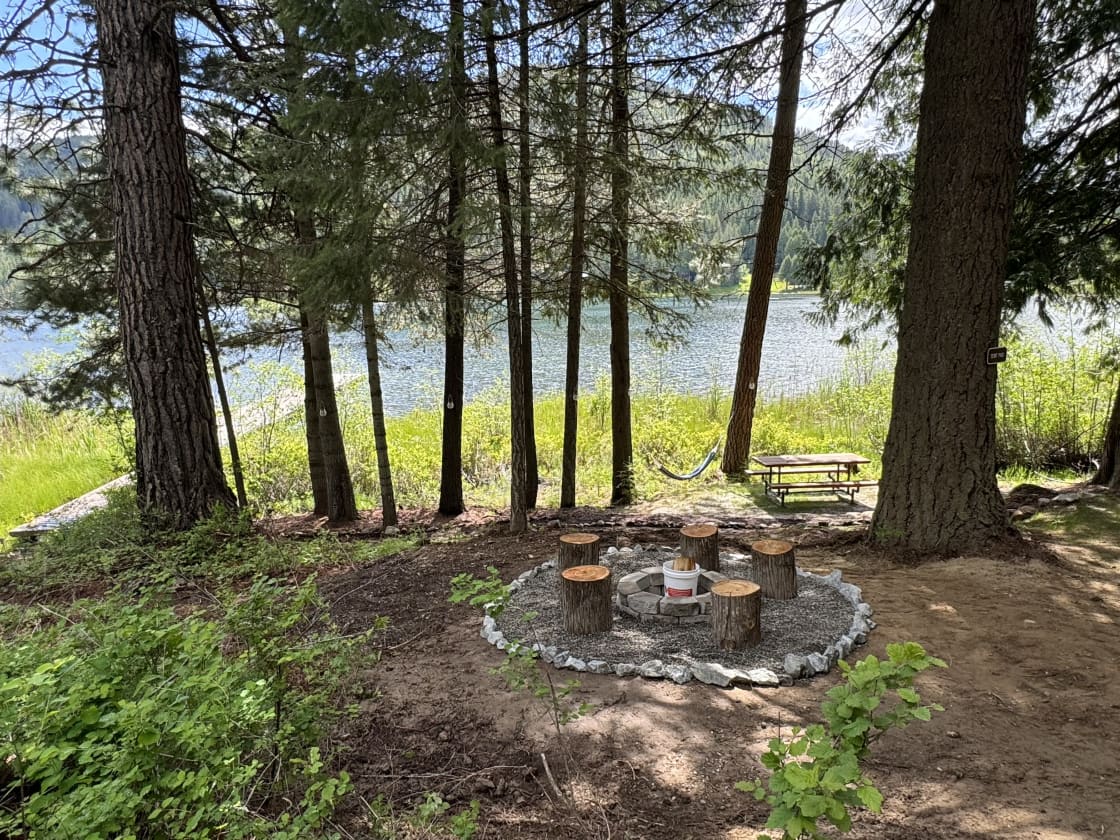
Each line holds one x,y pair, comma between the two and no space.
1025,749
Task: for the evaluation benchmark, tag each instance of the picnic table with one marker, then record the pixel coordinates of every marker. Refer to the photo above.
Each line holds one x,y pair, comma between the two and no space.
831,472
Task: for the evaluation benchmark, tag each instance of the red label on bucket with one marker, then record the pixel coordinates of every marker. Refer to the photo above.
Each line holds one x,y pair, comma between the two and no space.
678,593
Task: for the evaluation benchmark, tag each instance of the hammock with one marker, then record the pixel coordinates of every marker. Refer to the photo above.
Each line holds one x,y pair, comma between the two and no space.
703,465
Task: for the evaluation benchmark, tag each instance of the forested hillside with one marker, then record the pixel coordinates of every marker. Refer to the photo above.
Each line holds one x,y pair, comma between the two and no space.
732,216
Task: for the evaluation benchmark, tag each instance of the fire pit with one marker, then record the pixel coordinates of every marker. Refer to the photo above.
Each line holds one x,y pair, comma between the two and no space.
642,595
656,635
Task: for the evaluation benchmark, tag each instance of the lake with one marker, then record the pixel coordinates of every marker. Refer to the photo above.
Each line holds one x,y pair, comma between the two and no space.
797,356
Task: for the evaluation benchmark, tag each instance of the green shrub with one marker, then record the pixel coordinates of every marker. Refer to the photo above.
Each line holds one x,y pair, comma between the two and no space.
129,720
817,774
110,547
1052,407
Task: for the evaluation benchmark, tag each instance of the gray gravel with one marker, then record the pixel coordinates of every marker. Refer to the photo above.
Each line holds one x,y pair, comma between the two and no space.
810,623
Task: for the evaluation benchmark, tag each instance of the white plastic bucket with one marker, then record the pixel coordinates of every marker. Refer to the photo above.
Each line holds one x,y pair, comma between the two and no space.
681,584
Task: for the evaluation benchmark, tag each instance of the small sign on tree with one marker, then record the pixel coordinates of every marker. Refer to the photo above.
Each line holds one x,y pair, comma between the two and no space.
997,355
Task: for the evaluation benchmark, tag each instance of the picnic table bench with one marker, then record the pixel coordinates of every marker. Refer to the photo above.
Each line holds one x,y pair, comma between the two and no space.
836,470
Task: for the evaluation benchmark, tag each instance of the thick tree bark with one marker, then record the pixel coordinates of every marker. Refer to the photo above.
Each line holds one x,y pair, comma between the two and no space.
179,476
938,491
518,516
338,487
223,401
622,444
575,278
525,172
311,422
737,448
1108,473
451,459
341,506
377,409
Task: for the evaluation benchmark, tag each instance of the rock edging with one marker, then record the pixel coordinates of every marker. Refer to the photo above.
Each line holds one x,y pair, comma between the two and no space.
795,665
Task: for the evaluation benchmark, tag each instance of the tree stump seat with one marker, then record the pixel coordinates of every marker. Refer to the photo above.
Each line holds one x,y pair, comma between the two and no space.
701,543
585,599
736,614
774,568
578,549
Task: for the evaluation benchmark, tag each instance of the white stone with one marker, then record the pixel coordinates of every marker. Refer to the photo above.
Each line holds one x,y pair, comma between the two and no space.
680,674
654,669
795,665
763,677
712,673
598,666
626,669
818,663
575,664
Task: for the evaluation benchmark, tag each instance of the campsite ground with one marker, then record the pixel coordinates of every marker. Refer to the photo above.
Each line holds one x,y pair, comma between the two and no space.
1024,748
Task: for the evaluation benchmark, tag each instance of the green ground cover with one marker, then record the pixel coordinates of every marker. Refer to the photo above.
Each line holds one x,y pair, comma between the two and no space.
47,459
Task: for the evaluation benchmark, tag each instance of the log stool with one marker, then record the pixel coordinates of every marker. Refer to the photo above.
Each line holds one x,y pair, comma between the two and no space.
736,605
585,599
701,543
578,550
774,569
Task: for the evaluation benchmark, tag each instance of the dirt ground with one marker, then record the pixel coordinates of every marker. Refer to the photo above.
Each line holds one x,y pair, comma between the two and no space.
1025,748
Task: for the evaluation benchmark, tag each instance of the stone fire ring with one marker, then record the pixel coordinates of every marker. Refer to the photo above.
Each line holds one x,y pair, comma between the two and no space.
639,595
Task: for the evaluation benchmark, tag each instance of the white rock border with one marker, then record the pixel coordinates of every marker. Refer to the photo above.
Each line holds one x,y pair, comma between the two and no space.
795,665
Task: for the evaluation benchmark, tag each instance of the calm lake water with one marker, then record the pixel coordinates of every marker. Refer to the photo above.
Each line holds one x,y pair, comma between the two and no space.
796,357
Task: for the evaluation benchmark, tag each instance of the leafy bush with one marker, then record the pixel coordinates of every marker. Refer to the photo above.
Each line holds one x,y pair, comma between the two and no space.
817,774
132,721
1051,406
110,546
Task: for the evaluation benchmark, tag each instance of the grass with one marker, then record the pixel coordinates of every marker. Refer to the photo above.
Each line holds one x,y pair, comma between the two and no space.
1093,521
47,459
1050,418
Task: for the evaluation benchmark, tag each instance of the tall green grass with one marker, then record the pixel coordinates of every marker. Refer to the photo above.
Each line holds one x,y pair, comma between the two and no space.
47,458
1051,412
1052,407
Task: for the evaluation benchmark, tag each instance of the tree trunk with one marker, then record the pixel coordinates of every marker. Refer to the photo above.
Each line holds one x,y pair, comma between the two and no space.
311,422
575,278
775,568
938,491
451,459
377,408
737,449
578,550
585,599
341,506
518,517
532,478
179,476
223,400
1108,473
736,614
701,543
622,444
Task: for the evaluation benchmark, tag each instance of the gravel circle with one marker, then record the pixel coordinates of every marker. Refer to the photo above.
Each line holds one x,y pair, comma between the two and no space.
825,614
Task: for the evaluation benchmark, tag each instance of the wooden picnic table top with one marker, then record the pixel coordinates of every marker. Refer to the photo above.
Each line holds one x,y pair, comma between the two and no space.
827,459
